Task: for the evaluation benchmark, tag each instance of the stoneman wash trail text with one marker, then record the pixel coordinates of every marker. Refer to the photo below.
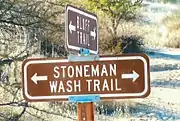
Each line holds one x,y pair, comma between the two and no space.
70,72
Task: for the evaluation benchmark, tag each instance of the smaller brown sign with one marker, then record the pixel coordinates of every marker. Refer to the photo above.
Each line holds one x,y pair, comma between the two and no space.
81,30
124,76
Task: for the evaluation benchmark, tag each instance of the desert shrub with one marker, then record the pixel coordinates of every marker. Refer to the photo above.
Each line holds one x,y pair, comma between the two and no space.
173,39
115,108
131,44
130,39
110,46
105,42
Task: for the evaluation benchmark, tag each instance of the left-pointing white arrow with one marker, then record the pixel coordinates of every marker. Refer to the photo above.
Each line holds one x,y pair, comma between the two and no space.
36,78
71,27
133,76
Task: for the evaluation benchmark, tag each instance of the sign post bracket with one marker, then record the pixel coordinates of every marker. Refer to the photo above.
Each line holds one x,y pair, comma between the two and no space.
84,98
84,56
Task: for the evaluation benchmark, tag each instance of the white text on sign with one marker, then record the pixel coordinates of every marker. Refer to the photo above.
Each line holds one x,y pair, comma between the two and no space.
65,73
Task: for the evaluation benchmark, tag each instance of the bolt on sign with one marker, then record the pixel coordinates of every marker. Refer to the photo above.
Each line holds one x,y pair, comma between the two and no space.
123,76
81,30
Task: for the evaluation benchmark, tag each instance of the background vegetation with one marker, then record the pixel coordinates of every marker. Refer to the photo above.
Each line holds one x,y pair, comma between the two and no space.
35,28
172,25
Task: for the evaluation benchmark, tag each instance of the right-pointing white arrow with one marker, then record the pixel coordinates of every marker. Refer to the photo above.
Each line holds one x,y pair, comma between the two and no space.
133,76
93,33
71,27
35,78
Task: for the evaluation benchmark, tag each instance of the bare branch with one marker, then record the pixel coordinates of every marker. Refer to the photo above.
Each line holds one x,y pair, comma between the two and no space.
19,24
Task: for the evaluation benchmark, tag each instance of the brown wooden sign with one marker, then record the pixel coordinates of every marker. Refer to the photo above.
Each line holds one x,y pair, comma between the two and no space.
81,30
124,76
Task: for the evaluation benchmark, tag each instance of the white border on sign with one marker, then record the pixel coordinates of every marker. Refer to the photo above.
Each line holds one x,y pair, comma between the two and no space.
67,27
101,95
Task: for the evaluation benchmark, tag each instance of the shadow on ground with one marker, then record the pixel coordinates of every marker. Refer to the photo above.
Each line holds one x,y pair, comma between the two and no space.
145,111
163,55
166,84
165,67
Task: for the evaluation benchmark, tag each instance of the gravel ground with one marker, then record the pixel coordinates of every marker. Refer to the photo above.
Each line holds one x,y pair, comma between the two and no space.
165,73
164,101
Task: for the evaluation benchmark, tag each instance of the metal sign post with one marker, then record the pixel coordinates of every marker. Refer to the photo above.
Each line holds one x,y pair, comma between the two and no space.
85,103
85,106
82,35
85,111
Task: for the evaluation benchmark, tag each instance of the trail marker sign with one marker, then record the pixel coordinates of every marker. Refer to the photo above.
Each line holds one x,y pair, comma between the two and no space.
124,76
81,30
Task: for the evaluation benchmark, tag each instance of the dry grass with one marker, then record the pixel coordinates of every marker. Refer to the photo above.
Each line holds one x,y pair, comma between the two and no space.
173,26
165,34
117,108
